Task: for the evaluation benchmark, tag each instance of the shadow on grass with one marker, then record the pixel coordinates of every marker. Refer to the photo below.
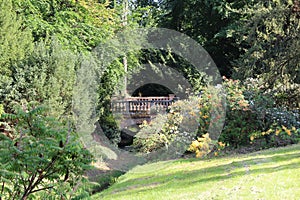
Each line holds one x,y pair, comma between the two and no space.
220,172
103,178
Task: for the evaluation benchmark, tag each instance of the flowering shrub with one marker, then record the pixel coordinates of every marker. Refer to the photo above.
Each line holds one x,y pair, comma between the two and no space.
269,118
185,121
283,117
250,115
201,146
235,95
178,126
157,134
278,135
204,105
240,120
220,146
192,118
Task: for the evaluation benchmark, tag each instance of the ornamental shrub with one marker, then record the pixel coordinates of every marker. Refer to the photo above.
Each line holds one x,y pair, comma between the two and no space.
249,111
159,133
241,121
283,117
202,146
278,136
177,127
256,117
185,121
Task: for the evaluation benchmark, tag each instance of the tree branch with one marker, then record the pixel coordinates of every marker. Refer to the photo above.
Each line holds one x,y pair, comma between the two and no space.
2,188
45,188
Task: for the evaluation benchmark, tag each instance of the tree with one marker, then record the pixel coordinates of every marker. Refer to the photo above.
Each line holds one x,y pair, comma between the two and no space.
211,23
39,155
80,25
47,76
273,51
15,43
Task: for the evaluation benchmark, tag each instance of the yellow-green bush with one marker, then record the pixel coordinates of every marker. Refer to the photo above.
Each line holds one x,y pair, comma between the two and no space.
201,146
278,135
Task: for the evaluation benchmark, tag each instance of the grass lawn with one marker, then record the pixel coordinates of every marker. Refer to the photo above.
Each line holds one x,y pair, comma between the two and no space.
269,174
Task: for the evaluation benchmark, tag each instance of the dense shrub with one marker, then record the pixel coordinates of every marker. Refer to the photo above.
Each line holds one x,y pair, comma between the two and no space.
186,120
238,127
260,119
240,119
283,117
110,128
259,102
278,136
159,133
46,76
250,113
269,117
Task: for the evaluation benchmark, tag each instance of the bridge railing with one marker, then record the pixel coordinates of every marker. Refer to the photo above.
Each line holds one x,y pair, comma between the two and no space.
141,104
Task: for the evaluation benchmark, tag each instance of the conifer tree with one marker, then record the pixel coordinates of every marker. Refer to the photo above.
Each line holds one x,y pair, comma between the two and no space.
15,43
47,76
273,51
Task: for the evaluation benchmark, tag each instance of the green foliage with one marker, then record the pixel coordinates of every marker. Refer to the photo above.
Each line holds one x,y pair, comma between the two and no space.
145,13
259,38
271,32
204,104
282,117
283,128
160,133
239,125
185,120
80,25
240,120
268,115
15,39
278,136
260,101
85,97
39,155
252,114
46,76
249,112
211,23
110,128
15,43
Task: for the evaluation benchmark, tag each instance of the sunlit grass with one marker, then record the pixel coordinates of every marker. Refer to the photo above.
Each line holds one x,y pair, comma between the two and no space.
270,174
